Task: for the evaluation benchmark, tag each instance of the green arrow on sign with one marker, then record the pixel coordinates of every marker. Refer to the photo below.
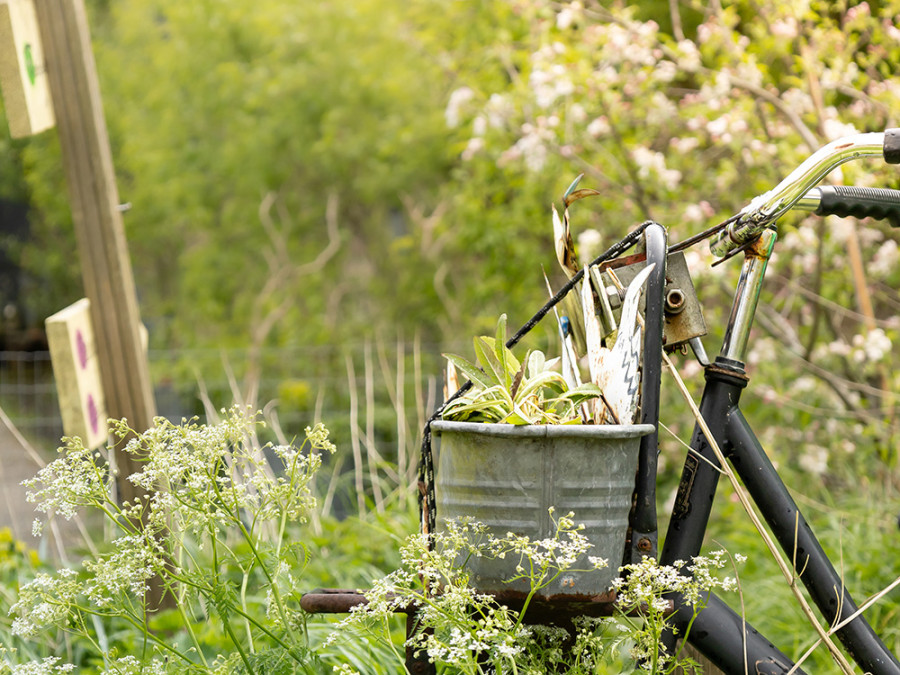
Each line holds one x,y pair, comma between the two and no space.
30,68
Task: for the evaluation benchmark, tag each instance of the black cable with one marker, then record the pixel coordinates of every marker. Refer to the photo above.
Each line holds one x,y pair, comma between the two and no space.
690,241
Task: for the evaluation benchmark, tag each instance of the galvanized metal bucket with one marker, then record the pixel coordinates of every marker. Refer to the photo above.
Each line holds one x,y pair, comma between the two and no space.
508,477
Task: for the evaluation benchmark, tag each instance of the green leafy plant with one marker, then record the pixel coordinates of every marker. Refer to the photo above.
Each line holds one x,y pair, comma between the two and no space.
506,391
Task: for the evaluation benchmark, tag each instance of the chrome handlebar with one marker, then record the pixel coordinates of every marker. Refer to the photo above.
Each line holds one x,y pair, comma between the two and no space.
768,207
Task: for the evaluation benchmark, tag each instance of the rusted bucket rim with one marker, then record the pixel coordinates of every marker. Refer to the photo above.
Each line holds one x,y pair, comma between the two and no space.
594,431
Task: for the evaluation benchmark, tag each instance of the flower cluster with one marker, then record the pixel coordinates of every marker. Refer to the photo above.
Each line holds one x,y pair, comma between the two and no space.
49,665
472,632
646,588
72,481
542,560
44,602
458,625
212,520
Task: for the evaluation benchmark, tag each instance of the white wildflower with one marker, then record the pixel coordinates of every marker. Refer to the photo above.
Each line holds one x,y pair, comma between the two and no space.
318,438
46,666
814,459
75,480
44,602
345,669
135,561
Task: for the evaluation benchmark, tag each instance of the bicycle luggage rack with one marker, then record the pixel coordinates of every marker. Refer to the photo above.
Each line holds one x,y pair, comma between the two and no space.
642,538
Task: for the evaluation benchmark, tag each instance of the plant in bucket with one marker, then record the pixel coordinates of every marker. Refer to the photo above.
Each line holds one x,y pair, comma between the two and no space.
524,440
499,580
506,585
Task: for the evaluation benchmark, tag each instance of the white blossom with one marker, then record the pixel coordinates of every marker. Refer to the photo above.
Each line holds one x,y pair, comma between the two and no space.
886,258
871,346
458,99
814,459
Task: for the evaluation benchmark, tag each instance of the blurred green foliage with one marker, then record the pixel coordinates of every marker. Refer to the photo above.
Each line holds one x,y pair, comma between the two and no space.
430,137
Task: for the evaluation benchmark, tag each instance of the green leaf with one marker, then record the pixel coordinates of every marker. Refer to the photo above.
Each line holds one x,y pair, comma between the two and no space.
503,370
470,370
518,416
534,385
536,363
484,352
582,393
500,349
571,188
515,418
492,410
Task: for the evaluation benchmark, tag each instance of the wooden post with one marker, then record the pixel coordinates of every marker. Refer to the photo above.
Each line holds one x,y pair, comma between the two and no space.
100,235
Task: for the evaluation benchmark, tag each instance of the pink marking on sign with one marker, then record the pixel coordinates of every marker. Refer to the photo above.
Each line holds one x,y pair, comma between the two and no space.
93,416
81,347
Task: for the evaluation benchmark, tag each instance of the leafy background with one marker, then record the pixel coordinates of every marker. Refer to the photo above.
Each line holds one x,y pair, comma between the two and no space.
312,183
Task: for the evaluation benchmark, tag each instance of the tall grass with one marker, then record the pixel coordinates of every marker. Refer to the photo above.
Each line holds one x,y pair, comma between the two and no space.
367,500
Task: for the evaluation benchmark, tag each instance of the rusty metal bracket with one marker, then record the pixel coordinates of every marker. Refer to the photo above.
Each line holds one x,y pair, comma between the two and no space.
683,314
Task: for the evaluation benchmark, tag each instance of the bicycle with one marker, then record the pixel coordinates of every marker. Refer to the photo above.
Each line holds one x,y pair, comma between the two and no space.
717,632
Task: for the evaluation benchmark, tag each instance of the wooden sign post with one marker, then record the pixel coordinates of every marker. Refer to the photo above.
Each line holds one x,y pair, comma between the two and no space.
99,231
23,74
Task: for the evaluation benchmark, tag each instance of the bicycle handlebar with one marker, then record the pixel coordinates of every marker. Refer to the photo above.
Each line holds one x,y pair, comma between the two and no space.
860,202
768,207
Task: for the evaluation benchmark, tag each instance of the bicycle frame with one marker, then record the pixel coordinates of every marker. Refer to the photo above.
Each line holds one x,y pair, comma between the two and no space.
718,632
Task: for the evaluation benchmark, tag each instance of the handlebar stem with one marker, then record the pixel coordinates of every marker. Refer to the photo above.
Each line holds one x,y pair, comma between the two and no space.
746,298
768,207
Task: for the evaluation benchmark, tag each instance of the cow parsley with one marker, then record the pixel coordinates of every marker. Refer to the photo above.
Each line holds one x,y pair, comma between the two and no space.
208,538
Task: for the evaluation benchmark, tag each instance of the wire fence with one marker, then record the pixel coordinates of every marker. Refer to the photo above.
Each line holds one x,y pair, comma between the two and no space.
28,394
372,395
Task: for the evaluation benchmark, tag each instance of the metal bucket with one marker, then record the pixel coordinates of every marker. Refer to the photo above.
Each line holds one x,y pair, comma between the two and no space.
507,477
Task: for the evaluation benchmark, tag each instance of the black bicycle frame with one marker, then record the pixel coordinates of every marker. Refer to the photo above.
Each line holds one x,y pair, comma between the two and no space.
718,632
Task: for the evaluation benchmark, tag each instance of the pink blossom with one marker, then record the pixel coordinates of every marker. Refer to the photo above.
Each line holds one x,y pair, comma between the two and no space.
785,28
860,10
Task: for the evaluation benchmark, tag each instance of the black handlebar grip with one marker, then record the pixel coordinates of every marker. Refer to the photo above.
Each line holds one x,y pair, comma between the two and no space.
860,202
892,146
